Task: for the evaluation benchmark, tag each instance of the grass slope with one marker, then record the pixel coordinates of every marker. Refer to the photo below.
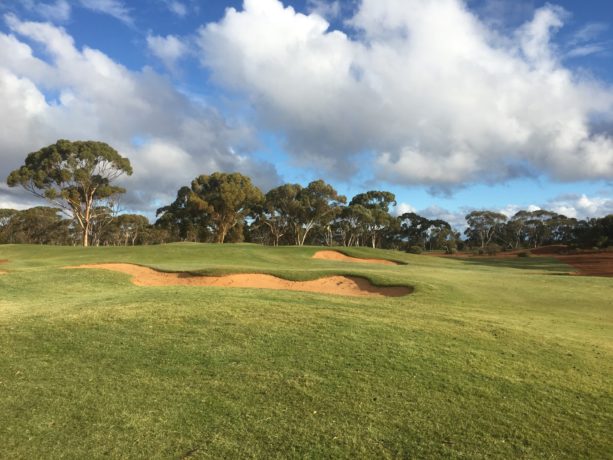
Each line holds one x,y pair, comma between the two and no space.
482,361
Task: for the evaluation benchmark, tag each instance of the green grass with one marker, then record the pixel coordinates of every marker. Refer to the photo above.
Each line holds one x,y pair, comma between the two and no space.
483,360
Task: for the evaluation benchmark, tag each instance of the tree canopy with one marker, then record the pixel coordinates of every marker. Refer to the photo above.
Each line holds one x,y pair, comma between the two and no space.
226,199
76,177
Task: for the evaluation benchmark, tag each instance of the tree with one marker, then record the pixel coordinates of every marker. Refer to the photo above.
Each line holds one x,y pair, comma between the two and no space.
130,227
414,229
183,220
38,225
483,225
351,224
514,232
443,237
6,225
74,176
544,227
280,204
377,204
226,199
318,205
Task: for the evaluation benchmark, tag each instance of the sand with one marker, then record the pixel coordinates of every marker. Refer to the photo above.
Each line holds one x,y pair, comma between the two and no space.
338,285
339,256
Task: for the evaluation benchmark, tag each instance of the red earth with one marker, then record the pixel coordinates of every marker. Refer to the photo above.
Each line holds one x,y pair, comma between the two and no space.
588,263
592,264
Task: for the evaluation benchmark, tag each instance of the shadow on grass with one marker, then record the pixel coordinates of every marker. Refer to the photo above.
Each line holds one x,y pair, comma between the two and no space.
523,263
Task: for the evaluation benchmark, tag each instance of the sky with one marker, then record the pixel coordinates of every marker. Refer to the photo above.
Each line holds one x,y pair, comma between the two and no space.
452,105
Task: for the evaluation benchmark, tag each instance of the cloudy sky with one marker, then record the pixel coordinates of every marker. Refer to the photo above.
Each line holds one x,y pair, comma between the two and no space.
453,105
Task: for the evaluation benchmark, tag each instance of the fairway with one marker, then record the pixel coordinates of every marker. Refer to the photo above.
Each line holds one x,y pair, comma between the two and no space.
481,360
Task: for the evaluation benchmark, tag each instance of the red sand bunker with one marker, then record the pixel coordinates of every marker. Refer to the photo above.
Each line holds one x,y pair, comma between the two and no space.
339,256
338,285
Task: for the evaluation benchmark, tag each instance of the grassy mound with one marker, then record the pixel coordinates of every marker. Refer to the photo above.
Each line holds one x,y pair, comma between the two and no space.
484,360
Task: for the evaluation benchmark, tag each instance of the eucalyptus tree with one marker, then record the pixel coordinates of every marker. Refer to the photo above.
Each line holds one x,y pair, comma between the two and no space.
377,219
280,208
226,199
76,177
351,224
182,220
414,229
319,205
483,226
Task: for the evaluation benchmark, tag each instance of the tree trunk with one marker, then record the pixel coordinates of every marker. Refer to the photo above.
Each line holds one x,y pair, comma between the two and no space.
85,236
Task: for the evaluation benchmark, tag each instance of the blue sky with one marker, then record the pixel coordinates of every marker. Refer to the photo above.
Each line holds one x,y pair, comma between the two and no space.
452,105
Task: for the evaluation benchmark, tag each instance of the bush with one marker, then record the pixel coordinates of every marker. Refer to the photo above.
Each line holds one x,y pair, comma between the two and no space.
415,250
492,249
523,254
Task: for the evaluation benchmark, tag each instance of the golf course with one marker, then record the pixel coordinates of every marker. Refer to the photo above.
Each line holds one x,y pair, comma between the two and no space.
466,358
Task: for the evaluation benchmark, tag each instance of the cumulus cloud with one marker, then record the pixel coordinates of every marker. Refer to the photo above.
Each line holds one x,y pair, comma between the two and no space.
435,94
581,206
167,49
83,94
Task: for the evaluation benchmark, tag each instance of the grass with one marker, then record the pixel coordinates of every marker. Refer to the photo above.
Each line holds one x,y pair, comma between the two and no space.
482,361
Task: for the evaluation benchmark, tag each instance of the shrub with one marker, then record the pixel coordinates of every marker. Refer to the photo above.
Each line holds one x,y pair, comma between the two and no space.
523,254
492,249
415,250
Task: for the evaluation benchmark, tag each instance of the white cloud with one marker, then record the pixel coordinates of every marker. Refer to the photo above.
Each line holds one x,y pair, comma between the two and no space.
329,9
511,209
177,8
114,8
574,206
455,218
167,49
439,97
59,11
84,94
403,208
581,206
588,33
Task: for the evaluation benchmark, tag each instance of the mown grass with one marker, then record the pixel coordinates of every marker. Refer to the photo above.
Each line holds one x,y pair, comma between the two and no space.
482,361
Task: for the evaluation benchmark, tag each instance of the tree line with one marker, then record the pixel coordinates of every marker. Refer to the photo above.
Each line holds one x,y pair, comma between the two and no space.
77,179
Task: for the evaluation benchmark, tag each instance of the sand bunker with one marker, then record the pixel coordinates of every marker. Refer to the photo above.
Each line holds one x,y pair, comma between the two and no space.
336,255
339,285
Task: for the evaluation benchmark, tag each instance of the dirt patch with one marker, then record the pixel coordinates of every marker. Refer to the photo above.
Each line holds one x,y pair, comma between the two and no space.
339,256
549,250
2,272
596,264
3,261
339,285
